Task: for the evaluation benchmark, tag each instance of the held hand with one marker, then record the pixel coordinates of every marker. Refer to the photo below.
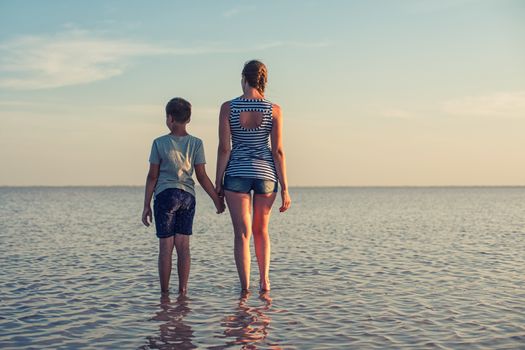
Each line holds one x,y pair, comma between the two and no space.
219,205
286,201
146,216
219,190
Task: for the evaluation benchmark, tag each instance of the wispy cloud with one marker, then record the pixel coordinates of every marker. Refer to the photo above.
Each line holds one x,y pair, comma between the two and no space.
396,113
61,108
296,44
231,12
237,10
79,57
506,104
36,62
432,6
502,104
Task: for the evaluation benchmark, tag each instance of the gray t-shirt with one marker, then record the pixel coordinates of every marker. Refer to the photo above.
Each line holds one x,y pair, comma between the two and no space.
177,156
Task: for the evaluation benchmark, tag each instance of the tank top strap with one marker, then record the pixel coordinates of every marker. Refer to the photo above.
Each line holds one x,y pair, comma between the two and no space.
239,104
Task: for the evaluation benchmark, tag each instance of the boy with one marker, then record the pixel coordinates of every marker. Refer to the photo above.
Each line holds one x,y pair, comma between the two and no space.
172,160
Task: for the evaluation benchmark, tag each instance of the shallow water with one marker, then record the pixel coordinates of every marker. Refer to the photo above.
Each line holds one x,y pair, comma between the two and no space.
375,268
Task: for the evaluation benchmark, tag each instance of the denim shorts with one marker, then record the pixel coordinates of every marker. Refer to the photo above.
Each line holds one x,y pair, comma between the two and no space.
246,184
174,210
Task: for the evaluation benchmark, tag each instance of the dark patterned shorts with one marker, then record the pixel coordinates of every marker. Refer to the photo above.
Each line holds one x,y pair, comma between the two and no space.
174,210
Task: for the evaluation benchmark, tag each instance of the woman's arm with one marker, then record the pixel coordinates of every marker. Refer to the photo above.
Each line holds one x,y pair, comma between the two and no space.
151,181
224,149
204,180
278,156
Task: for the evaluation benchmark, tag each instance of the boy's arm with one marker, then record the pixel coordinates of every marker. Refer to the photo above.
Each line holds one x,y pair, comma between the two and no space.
224,149
151,181
207,185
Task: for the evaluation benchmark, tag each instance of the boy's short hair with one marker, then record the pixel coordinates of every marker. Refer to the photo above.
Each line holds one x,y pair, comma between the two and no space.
179,109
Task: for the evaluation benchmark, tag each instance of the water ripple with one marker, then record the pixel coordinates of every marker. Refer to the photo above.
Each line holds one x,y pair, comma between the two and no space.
351,268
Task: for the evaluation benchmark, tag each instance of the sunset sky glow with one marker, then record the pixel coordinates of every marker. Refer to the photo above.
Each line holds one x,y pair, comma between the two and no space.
374,93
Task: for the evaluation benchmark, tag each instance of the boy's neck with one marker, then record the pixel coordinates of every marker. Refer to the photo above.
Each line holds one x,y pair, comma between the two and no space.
178,130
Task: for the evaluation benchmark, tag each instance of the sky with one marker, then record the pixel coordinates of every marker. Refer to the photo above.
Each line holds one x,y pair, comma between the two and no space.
373,93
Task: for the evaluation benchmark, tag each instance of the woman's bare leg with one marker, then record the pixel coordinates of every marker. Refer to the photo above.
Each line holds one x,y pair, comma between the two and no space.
182,245
239,205
165,251
262,207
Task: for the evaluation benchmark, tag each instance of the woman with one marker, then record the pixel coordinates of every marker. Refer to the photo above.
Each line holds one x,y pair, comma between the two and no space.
246,163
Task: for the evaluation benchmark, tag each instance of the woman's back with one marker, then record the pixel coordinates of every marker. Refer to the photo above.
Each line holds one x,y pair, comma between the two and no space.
250,126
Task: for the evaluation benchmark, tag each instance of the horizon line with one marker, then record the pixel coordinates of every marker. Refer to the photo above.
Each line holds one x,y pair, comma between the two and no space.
300,186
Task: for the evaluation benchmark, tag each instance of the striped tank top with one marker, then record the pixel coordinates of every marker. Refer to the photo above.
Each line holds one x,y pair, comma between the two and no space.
251,155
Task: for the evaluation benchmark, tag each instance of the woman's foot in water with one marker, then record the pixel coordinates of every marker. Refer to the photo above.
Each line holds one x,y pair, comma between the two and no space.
264,285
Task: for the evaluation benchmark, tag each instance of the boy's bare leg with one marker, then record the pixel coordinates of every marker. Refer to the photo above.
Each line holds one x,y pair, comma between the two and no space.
165,251
262,207
182,245
240,212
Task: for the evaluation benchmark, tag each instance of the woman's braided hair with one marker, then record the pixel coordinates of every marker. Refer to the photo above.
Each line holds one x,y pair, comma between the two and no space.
255,74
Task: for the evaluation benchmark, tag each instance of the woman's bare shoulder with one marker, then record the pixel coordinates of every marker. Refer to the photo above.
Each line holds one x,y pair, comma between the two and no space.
225,108
276,110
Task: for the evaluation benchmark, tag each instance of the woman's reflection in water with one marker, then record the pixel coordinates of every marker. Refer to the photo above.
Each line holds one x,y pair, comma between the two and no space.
174,333
249,325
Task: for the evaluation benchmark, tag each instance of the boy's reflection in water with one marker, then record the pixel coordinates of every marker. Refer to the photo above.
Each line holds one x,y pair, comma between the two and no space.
249,325
174,333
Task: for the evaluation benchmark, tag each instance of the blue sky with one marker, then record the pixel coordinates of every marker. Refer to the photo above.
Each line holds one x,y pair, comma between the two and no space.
373,92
